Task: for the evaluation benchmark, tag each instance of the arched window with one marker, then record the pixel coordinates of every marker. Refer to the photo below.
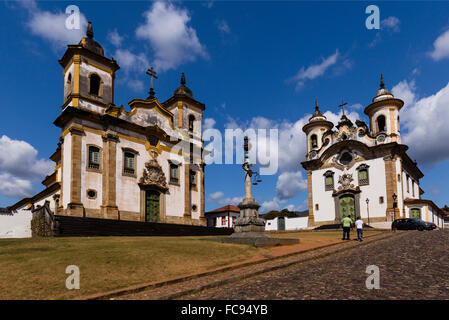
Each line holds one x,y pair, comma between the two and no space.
94,157
381,123
94,87
69,78
314,141
191,122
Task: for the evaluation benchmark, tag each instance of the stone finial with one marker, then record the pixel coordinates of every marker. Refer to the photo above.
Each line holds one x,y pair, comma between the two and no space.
316,104
183,79
89,31
382,83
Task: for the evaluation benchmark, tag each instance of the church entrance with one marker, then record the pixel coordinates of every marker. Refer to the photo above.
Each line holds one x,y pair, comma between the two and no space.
152,204
347,207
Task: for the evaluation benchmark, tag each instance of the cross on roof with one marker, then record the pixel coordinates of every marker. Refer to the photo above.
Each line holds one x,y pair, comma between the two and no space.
342,105
152,73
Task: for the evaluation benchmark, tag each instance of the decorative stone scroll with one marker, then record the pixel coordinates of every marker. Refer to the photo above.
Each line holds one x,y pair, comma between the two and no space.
153,176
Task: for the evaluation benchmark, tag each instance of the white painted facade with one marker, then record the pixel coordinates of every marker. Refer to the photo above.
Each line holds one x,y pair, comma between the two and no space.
153,132
342,155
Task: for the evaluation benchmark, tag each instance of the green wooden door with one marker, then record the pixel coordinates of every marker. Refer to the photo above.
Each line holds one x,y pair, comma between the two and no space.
347,207
415,213
281,223
152,206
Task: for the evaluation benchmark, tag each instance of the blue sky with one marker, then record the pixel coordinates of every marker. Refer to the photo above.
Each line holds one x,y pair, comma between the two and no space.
254,64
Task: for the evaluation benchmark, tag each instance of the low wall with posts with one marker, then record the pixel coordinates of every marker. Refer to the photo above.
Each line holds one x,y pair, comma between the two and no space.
45,223
75,226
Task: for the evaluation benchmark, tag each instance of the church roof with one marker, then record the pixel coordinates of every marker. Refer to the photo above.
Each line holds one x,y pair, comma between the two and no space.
182,89
228,208
89,43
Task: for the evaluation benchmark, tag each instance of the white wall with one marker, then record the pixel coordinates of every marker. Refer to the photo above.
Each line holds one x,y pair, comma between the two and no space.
16,226
290,223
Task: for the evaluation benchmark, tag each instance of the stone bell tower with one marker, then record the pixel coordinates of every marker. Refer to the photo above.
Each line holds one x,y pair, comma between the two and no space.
88,75
383,113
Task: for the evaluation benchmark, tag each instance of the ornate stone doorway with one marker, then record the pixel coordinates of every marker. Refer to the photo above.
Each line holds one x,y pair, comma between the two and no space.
152,206
347,206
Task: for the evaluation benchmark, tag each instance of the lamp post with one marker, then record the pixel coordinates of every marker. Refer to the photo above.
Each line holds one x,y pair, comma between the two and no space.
395,204
367,208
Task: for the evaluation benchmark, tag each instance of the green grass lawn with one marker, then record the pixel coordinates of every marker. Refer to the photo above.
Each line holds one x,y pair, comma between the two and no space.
35,268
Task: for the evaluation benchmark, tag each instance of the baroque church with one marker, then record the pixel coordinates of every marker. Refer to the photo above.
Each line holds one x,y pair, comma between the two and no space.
363,169
138,165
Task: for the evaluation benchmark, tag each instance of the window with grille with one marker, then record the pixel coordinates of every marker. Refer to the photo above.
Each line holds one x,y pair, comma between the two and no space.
174,173
94,157
129,163
192,178
329,180
363,175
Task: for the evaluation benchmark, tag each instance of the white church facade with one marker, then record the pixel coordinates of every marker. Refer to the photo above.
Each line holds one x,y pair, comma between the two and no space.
363,169
139,165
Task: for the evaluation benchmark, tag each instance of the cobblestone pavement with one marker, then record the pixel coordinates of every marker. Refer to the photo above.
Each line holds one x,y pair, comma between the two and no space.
412,266
175,290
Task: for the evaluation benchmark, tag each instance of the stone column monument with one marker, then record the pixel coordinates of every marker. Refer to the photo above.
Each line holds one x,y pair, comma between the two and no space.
249,225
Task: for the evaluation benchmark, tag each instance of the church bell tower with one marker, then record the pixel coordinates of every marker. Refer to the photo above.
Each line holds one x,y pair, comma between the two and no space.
88,75
383,113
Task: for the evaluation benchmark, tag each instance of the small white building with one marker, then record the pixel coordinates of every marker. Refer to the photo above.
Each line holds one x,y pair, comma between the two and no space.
282,221
223,217
425,210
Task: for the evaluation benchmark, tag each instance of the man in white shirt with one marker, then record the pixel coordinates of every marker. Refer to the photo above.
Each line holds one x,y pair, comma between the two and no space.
359,226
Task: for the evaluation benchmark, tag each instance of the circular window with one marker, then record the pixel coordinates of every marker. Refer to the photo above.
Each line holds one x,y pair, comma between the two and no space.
91,194
346,158
194,207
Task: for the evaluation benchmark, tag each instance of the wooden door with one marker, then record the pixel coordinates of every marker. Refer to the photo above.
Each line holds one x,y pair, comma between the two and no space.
152,205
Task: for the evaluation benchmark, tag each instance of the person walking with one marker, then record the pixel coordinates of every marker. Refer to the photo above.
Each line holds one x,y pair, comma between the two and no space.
346,222
359,226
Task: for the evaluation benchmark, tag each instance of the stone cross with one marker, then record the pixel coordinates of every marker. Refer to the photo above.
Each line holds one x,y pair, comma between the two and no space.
152,75
342,105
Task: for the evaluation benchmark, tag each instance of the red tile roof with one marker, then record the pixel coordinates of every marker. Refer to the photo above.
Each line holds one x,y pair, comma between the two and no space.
228,208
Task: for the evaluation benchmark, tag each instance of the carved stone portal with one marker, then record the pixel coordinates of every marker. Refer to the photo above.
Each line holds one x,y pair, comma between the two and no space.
153,176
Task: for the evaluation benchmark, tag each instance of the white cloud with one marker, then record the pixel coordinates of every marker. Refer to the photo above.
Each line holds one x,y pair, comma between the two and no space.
223,26
404,90
392,23
219,197
425,120
51,26
132,65
115,38
441,47
209,123
215,196
290,184
129,61
314,71
268,206
14,187
19,167
173,41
